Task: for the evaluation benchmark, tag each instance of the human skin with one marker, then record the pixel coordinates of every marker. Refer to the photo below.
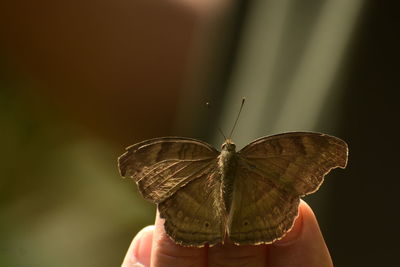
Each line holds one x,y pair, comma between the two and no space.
304,246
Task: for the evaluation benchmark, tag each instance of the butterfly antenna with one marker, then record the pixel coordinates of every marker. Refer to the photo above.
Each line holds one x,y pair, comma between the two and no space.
237,118
220,131
208,105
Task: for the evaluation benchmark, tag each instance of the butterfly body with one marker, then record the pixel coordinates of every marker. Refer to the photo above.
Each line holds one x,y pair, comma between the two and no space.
227,164
250,196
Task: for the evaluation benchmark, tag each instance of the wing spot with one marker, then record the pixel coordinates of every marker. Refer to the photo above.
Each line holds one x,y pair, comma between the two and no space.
245,223
276,210
206,224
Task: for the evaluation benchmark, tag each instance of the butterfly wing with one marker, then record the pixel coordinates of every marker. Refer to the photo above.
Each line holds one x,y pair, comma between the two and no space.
180,175
260,212
273,172
193,214
161,166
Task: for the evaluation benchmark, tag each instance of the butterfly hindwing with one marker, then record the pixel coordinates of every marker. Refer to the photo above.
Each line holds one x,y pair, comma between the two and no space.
260,212
163,165
193,215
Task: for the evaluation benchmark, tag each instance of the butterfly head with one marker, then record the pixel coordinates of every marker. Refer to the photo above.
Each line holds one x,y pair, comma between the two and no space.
228,145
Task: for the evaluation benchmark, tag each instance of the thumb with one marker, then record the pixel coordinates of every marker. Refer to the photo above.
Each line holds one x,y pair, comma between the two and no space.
304,245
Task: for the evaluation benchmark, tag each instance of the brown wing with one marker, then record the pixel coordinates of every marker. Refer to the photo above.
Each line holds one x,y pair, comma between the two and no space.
163,165
295,162
273,172
193,215
260,211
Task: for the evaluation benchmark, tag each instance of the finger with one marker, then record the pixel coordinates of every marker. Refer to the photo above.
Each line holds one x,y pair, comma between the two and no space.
231,255
166,253
139,251
304,245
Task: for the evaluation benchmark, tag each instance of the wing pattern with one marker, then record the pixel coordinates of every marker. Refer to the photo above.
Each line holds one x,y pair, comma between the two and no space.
194,216
161,166
273,172
295,162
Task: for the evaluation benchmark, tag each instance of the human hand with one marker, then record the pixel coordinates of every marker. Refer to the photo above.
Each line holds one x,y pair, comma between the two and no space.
302,246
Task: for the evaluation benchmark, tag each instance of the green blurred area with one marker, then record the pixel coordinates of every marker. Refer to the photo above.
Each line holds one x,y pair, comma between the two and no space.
63,202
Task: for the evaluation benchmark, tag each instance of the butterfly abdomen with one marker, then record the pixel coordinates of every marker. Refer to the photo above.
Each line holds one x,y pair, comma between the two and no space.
227,163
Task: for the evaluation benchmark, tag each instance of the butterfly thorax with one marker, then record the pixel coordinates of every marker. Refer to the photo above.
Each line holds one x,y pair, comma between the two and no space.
227,162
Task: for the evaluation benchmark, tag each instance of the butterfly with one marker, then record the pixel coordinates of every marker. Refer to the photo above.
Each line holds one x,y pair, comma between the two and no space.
250,197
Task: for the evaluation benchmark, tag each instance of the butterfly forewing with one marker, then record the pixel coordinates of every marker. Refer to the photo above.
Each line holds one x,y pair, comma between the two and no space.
295,162
163,165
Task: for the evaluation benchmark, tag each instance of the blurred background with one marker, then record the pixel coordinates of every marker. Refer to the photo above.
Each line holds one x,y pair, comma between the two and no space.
81,80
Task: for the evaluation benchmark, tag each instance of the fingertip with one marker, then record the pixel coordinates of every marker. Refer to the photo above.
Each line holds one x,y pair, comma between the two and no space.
139,251
307,212
166,252
303,245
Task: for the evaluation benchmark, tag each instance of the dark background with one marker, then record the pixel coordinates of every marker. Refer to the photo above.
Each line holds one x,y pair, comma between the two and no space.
79,81
367,220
